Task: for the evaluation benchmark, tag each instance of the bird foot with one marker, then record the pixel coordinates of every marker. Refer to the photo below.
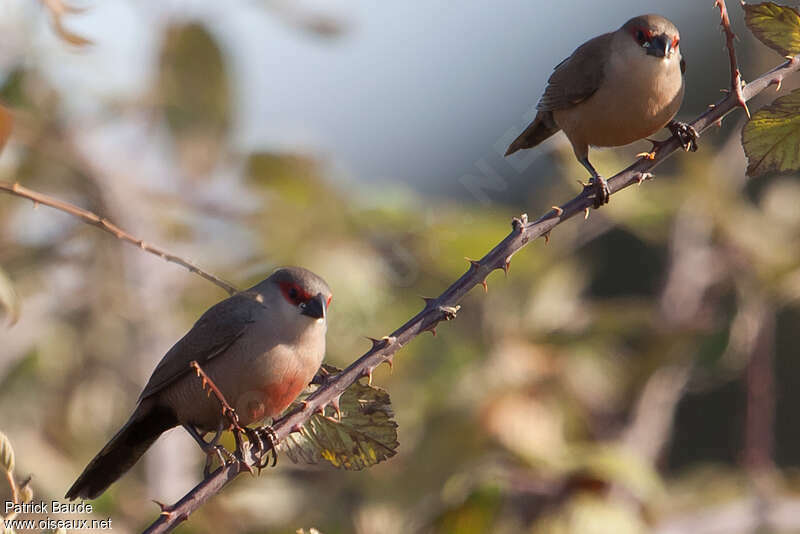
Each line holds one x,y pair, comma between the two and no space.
265,442
224,456
686,134
599,185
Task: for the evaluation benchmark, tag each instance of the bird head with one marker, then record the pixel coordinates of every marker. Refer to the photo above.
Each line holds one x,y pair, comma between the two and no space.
303,292
654,35
298,300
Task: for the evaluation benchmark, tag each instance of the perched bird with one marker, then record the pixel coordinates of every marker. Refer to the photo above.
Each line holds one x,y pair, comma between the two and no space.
260,347
613,90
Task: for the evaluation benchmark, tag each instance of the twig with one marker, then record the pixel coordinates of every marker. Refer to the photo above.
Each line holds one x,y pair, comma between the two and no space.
443,307
209,385
730,37
106,225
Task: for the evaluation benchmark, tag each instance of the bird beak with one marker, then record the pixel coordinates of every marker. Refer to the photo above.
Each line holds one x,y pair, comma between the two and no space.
660,46
314,307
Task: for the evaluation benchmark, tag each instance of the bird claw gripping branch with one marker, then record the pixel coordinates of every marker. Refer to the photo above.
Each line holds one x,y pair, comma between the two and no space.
686,134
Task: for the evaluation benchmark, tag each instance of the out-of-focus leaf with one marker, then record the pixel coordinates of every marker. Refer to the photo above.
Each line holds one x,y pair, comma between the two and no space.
617,465
475,515
365,436
6,454
776,26
772,137
6,125
9,302
291,177
194,91
587,514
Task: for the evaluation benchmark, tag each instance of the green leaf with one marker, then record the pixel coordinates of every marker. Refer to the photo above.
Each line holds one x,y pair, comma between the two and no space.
194,93
365,436
6,454
776,26
9,302
771,139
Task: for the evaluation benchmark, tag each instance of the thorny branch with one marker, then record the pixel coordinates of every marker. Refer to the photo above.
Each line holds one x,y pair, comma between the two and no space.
445,306
106,225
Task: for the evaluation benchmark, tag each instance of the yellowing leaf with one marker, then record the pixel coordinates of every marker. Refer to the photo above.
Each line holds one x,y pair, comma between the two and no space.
771,139
365,435
776,26
6,454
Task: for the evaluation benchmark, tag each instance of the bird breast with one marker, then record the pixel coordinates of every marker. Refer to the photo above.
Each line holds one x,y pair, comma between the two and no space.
639,95
257,381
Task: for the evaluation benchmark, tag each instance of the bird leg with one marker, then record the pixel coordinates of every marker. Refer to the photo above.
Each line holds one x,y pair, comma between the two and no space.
597,183
211,448
685,133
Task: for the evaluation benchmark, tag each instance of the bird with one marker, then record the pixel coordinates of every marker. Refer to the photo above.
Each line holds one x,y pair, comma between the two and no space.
614,89
260,347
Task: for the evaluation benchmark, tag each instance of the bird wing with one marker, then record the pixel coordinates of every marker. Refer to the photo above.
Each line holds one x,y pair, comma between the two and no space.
213,334
577,78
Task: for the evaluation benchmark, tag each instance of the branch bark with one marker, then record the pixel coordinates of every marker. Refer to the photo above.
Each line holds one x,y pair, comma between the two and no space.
445,306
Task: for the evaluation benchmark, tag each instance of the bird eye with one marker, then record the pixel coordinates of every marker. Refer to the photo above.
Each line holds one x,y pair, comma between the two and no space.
293,293
640,37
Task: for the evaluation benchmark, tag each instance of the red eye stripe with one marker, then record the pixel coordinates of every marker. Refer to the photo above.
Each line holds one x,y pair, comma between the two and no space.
675,42
328,302
294,293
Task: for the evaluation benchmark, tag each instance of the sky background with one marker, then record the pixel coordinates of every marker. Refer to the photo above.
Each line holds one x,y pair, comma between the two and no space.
411,93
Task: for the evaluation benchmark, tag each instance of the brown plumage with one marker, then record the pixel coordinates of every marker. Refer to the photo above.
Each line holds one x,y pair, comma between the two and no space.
613,90
261,347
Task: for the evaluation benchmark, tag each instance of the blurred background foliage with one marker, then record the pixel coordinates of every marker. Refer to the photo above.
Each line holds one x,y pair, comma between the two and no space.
637,374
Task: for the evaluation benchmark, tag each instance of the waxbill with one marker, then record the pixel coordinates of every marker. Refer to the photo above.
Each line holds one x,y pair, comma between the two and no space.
260,347
613,90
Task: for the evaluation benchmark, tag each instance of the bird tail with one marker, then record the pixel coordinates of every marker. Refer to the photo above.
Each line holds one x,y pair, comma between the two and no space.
124,450
542,127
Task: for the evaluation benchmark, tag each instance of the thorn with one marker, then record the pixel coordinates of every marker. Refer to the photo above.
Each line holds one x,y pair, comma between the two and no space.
558,210
642,177
297,427
165,509
507,266
725,91
712,106
719,122
335,404
320,410
585,214
390,362
390,340
647,155
546,236
368,374
744,105
485,287
428,300
433,331
473,263
375,342
778,83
